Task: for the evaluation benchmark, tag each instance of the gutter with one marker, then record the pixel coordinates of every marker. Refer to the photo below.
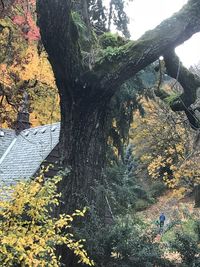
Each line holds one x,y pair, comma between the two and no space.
8,150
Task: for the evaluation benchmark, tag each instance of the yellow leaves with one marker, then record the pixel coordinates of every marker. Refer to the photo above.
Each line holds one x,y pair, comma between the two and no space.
80,212
29,233
33,67
171,151
77,247
146,158
179,192
170,183
21,75
169,160
154,166
162,145
63,222
180,148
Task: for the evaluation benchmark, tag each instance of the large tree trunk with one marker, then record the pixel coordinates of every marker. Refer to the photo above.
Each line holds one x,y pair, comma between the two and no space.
83,139
85,93
83,146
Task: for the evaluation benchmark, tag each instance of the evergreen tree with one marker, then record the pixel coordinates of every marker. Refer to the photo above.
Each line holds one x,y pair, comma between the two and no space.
119,17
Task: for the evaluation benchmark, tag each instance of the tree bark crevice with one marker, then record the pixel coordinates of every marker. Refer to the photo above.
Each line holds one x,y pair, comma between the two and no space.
83,136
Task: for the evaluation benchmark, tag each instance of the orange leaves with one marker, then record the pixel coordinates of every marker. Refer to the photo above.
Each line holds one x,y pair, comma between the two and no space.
22,66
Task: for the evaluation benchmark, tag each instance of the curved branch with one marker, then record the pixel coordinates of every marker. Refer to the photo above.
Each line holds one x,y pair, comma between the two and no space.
134,56
60,38
189,82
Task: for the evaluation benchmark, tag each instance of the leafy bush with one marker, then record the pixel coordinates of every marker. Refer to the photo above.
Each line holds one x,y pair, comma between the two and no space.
187,242
29,232
124,243
188,249
141,204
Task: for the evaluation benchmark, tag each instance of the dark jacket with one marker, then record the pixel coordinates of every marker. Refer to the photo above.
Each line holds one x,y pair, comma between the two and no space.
162,218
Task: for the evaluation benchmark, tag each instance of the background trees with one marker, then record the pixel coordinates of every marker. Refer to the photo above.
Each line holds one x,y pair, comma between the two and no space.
24,67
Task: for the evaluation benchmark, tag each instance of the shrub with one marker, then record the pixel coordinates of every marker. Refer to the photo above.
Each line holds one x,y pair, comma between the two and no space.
141,204
124,243
124,191
188,249
29,232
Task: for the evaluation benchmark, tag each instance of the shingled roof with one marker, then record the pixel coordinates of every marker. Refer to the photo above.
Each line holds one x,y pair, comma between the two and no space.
21,155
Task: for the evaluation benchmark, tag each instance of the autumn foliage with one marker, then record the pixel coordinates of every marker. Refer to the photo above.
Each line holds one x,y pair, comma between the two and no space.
165,147
24,67
29,232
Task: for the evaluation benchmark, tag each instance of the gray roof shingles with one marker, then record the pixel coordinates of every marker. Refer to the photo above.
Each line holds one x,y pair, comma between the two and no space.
26,152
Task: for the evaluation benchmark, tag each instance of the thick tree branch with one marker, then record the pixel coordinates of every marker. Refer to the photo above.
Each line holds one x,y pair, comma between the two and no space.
189,82
60,38
133,57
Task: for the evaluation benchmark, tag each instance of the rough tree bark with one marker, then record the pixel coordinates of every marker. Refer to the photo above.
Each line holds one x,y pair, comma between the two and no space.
85,94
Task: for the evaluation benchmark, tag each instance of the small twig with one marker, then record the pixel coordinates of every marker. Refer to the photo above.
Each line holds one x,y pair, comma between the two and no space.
2,98
109,207
2,4
160,75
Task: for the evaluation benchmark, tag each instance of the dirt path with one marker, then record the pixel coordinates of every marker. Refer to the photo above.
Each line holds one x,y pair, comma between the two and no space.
174,209
171,206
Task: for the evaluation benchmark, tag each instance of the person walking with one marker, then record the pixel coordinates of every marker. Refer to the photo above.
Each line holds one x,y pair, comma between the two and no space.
162,220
